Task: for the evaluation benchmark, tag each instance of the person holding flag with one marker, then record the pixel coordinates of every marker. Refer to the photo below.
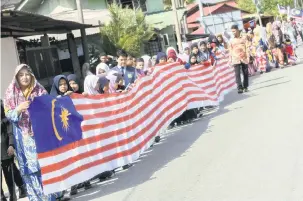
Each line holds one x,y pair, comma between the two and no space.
22,90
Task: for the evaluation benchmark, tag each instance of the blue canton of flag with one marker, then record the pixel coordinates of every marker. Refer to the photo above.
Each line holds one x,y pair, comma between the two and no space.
296,13
55,122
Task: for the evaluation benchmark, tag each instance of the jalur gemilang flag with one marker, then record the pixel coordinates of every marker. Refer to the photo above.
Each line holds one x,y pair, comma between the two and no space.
79,137
58,122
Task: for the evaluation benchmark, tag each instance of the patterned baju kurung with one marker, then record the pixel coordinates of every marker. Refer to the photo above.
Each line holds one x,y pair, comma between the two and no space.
24,139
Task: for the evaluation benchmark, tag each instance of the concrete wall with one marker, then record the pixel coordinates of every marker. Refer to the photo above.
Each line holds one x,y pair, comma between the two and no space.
9,62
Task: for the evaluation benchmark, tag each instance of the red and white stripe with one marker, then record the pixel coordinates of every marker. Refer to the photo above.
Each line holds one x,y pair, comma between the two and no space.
291,60
261,60
117,128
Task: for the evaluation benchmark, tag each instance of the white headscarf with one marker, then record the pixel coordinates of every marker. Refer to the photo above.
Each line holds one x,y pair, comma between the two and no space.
90,83
102,66
147,60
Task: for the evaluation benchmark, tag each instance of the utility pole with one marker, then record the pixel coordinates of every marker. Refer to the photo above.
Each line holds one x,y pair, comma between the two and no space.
201,14
177,26
82,30
258,6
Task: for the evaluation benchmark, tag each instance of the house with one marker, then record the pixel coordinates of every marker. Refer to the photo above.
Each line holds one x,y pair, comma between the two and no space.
217,16
44,62
95,12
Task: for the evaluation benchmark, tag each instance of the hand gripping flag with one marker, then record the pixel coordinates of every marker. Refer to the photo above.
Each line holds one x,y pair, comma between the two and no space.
116,128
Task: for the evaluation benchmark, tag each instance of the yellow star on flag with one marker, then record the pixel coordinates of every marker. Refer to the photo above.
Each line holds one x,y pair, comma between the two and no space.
64,118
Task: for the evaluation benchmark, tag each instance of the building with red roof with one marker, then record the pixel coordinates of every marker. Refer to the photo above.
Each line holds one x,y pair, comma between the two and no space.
216,16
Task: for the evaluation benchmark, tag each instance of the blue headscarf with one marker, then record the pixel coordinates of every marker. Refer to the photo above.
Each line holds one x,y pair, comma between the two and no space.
159,56
55,88
103,82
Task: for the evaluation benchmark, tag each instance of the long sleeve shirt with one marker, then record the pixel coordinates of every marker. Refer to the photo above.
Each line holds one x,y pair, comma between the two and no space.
238,51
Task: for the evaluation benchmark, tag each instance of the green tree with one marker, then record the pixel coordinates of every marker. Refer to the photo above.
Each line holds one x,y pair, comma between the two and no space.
127,29
267,6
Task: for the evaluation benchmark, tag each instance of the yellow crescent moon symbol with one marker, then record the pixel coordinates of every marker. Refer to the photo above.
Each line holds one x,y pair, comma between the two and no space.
53,121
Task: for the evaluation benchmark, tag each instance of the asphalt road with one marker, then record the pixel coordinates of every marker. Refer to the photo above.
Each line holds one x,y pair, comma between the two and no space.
249,150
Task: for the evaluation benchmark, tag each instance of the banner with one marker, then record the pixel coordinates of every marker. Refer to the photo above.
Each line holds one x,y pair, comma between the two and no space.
291,12
80,137
296,13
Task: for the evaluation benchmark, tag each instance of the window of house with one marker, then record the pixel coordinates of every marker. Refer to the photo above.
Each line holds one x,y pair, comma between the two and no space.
131,4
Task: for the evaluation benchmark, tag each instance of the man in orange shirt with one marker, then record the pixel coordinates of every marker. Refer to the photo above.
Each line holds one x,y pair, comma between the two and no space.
239,58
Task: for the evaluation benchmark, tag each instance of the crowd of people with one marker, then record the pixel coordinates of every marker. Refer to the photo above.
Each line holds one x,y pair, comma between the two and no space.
249,52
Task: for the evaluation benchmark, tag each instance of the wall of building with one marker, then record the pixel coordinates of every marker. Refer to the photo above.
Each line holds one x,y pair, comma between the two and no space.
217,23
154,6
171,36
49,6
94,4
9,62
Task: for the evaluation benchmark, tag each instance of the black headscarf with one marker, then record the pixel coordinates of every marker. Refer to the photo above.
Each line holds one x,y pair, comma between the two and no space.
73,77
192,55
213,39
55,88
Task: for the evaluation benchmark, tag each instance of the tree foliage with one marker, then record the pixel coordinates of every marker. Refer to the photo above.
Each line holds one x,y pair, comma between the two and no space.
127,29
267,6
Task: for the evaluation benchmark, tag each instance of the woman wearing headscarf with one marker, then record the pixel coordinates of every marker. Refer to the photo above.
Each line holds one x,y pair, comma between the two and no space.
222,45
115,79
91,85
74,83
102,69
259,47
172,55
196,52
252,68
193,60
270,44
147,62
278,39
104,85
60,87
18,97
161,58
154,58
186,53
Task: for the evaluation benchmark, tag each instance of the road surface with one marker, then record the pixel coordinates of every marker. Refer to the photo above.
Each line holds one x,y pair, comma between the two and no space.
251,149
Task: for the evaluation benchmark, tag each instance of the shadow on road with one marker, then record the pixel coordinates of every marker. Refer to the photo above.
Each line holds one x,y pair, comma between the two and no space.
278,78
270,85
159,155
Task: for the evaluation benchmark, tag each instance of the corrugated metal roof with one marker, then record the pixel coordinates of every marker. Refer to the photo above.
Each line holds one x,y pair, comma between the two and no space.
161,20
90,17
20,23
